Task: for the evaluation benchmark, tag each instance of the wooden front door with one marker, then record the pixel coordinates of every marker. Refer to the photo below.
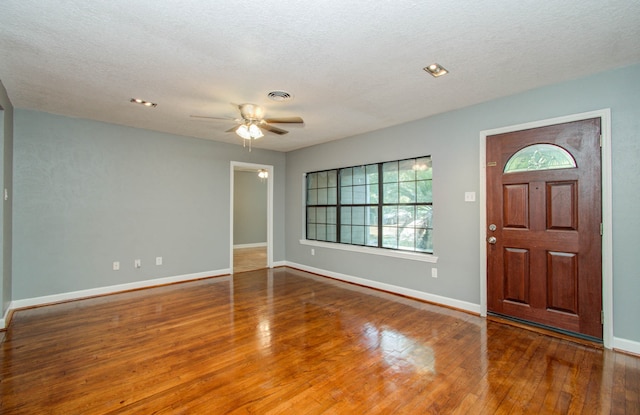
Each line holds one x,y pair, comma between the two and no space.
544,256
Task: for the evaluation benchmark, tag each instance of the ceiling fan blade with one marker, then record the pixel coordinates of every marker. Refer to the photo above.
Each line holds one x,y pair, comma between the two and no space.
272,129
232,129
214,118
285,120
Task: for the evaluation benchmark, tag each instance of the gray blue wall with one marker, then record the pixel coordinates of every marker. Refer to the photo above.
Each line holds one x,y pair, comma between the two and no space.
452,139
89,193
249,209
6,147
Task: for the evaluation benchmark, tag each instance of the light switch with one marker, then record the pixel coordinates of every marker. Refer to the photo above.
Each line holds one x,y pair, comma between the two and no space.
469,196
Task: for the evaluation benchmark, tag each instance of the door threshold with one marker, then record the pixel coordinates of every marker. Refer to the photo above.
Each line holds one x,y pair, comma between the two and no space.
546,330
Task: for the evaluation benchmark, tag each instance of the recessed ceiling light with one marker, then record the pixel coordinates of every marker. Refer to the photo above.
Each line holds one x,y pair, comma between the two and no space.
143,102
279,96
436,70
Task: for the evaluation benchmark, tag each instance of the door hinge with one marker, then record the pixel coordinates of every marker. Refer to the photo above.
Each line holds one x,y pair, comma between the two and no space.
600,140
601,316
601,229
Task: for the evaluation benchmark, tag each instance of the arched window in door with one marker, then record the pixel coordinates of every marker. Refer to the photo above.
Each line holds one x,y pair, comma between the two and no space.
540,157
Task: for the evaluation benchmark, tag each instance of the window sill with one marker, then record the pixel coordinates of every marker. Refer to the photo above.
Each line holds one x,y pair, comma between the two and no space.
413,256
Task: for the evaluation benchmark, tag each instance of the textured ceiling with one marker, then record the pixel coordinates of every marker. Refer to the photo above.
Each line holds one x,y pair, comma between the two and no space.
352,66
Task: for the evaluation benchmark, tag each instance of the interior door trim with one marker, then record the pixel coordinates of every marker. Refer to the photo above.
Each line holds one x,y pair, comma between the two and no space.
607,230
240,165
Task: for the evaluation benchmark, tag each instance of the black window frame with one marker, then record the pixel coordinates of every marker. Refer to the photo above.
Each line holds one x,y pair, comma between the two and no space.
320,192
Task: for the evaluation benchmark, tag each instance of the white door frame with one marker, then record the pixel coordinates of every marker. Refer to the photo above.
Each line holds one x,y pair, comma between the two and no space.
607,232
240,165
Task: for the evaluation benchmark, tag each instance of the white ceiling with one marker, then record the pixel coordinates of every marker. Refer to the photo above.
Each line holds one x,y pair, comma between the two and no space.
352,66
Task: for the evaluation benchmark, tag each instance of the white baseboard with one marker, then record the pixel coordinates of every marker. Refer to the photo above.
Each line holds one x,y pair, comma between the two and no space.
93,292
279,264
625,345
256,245
421,295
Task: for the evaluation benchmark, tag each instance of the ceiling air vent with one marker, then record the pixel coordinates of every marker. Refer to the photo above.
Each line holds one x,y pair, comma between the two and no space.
279,96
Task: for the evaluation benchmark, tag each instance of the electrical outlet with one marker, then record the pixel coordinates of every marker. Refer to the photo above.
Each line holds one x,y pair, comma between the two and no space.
158,260
469,196
137,263
313,251
116,265
434,272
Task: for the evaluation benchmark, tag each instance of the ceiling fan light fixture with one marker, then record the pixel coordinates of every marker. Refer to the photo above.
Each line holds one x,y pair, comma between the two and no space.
436,70
255,132
243,131
249,131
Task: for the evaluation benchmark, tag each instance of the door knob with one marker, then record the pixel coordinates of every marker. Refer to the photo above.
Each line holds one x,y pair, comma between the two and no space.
492,240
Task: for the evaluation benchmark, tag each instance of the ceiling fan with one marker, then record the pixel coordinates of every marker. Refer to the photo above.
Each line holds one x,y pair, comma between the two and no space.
252,122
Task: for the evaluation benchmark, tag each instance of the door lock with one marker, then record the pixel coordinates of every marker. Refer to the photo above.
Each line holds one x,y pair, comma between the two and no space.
492,227
492,240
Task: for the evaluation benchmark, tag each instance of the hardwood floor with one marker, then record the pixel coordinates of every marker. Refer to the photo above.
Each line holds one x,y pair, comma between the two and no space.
284,341
249,259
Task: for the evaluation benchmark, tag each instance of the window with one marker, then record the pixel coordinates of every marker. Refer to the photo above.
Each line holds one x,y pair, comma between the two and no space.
384,205
540,157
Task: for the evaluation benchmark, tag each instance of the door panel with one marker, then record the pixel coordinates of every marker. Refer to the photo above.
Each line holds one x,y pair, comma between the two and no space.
516,274
544,264
516,206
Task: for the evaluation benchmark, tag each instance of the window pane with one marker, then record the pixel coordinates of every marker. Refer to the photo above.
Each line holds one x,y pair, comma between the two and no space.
359,175
359,193
407,239
389,237
357,215
322,179
321,232
407,192
345,234
423,216
390,193
390,172
357,235
322,196
372,194
321,215
372,216
540,157
311,215
332,178
405,215
332,196
345,215
406,170
346,177
312,197
332,215
312,180
423,168
389,215
423,240
424,194
346,195
311,231
372,236
332,233
372,173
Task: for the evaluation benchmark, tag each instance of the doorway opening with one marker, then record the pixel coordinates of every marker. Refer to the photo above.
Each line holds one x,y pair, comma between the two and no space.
251,217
